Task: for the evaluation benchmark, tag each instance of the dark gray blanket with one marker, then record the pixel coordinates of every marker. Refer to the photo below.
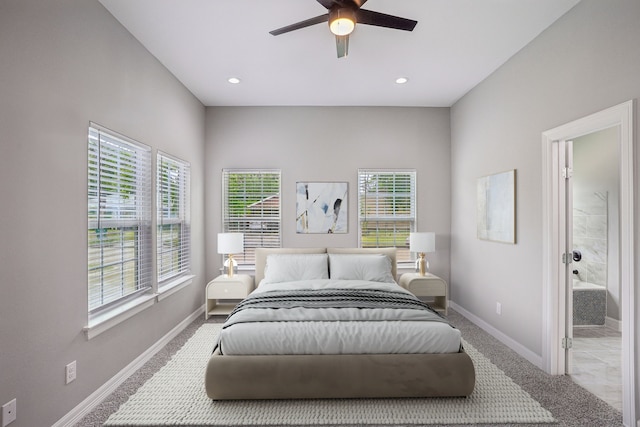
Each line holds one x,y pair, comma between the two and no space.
333,298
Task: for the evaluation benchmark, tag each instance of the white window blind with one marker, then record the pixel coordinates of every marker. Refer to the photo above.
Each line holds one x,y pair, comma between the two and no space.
173,237
251,205
119,218
387,209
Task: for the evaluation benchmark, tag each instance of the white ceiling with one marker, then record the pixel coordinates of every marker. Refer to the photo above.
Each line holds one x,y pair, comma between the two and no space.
456,44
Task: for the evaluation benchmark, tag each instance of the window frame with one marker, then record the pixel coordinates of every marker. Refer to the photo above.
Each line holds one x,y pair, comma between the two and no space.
181,217
404,255
270,219
118,199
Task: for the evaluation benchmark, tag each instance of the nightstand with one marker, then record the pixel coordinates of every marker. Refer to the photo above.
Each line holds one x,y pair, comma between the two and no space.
223,292
428,286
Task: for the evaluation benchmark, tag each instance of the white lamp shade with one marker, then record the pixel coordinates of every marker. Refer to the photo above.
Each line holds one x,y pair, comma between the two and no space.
230,243
422,242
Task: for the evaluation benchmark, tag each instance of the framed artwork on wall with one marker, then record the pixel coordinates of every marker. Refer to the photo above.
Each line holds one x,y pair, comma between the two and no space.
322,207
496,197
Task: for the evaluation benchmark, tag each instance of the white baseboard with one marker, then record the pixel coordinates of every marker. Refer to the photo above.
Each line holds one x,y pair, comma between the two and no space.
107,388
506,340
612,323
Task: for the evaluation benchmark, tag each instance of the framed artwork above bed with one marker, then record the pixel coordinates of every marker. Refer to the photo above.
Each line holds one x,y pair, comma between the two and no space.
322,207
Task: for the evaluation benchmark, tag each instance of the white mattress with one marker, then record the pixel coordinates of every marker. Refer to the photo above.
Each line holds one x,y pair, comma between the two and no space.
336,331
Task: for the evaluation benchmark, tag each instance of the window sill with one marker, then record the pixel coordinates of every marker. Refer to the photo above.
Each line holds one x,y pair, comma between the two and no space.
105,321
174,286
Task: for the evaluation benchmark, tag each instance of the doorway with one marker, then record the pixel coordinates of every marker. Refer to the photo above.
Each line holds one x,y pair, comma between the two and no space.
594,290
557,235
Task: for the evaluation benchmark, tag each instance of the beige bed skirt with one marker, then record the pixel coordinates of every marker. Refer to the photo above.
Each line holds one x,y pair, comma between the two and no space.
339,376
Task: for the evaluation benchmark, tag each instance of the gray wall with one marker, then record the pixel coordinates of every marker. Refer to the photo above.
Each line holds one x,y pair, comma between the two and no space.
587,61
330,144
65,63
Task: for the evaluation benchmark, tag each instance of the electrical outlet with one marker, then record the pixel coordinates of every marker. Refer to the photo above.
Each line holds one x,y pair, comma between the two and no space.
70,372
8,413
498,309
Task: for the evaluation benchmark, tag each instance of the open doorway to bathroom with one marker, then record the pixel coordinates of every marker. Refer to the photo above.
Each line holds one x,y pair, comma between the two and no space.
557,244
596,317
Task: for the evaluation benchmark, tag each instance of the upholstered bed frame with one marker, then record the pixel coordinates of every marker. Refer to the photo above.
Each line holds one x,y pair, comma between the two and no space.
337,376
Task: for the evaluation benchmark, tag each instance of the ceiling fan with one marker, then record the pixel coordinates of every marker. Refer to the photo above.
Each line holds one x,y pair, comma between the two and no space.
342,18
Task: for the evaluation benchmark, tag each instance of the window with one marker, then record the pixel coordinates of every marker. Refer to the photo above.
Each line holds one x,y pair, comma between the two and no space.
119,214
251,205
387,209
173,218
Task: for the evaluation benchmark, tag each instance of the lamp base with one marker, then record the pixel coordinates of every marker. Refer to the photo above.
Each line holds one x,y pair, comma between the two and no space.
230,266
422,265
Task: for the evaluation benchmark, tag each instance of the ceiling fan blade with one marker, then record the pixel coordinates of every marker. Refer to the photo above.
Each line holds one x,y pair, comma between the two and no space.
355,4
383,20
342,45
301,24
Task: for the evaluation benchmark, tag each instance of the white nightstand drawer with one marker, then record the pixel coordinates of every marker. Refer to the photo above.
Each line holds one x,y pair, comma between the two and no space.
227,290
427,288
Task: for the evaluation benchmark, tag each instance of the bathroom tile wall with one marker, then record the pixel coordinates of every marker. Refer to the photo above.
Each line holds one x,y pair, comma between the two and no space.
590,236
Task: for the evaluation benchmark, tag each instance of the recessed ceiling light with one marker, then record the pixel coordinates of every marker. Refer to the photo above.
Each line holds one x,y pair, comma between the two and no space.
402,80
234,80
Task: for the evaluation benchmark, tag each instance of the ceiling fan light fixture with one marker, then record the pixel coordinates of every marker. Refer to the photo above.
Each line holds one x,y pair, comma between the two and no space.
342,21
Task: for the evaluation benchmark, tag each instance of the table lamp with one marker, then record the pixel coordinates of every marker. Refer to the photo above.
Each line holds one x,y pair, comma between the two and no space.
230,243
422,243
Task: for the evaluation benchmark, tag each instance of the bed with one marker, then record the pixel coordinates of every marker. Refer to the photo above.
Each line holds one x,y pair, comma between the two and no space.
347,332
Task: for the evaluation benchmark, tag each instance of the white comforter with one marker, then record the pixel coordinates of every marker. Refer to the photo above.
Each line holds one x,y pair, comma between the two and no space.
336,331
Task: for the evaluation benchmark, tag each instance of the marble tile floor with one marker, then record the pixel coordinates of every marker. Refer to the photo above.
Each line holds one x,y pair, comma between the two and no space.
597,358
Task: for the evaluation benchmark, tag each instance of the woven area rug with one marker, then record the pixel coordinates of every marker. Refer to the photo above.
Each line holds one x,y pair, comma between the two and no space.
175,395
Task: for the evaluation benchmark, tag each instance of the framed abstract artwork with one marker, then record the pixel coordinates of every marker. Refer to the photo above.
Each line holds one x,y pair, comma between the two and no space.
322,207
496,197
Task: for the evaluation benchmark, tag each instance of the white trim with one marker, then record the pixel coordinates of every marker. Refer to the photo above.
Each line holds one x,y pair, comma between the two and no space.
87,405
107,320
612,323
174,286
505,339
620,115
627,262
552,244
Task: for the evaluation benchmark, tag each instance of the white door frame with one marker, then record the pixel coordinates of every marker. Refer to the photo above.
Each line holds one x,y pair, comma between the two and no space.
554,287
566,147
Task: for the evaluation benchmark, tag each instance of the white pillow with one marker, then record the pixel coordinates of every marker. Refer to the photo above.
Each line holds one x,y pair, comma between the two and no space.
375,268
292,267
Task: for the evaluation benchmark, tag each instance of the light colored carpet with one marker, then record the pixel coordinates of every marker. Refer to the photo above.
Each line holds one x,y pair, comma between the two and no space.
175,395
